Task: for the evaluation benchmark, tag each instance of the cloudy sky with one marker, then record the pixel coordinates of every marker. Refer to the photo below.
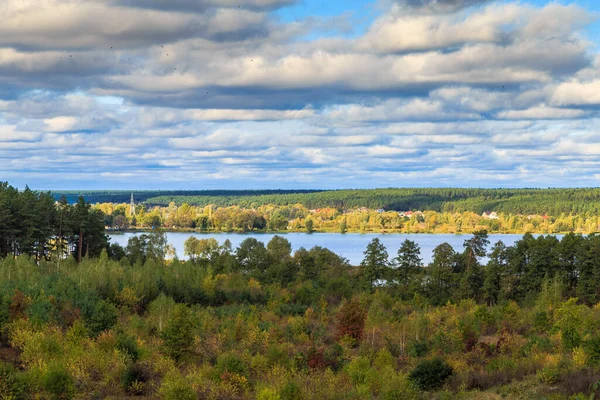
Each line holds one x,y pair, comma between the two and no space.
194,94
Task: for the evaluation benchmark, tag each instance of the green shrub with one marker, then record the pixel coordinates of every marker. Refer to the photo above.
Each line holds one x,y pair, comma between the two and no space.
134,379
40,312
431,374
102,318
128,345
58,383
291,391
229,362
548,375
176,388
418,348
276,355
359,370
541,321
11,387
268,394
592,351
178,336
502,363
540,343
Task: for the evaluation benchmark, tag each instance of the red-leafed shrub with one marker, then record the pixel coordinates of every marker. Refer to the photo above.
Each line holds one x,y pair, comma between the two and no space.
351,320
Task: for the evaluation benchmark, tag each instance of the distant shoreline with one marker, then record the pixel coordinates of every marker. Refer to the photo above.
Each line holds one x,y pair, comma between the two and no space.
192,231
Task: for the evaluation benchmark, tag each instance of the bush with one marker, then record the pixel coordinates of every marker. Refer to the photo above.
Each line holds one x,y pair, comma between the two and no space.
58,383
359,370
541,321
178,336
431,374
291,391
11,387
229,362
128,345
548,375
418,349
267,394
351,320
277,355
176,388
134,379
102,318
592,351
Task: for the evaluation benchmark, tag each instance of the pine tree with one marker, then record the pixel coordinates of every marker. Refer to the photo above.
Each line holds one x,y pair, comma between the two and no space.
374,266
492,274
178,335
408,262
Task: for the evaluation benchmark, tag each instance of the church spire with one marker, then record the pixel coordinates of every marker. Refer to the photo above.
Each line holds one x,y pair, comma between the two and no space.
132,206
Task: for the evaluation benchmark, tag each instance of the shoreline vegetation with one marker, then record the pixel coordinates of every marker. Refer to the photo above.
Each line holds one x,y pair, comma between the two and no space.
298,218
195,231
426,210
581,201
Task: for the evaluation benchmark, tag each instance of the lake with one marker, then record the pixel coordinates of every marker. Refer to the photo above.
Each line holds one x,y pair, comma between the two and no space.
349,245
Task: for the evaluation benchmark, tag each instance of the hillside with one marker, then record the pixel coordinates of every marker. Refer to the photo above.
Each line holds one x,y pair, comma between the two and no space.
515,201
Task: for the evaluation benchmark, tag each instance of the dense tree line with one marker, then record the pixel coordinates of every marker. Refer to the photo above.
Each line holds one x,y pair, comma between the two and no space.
263,322
123,196
298,218
33,223
518,273
515,201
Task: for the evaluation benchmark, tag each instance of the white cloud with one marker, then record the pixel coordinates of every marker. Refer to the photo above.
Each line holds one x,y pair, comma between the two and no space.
434,90
542,112
577,93
60,124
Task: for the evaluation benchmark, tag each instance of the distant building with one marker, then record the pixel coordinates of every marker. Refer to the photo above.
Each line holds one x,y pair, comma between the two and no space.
132,206
490,215
380,210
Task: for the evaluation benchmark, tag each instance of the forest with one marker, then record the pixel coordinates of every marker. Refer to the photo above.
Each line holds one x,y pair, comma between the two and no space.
297,218
34,223
510,201
120,196
261,322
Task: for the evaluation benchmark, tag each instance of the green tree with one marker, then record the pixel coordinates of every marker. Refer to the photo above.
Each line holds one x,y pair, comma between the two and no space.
201,249
493,273
408,262
344,226
374,267
431,374
279,248
568,320
178,335
308,223
442,272
472,277
252,256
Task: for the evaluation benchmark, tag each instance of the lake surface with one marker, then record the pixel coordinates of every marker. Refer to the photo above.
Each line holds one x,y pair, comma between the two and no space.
349,245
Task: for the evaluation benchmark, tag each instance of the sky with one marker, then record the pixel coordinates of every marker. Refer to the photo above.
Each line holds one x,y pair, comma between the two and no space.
290,94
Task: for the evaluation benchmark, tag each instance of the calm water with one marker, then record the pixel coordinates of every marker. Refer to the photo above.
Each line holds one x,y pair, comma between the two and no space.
349,245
